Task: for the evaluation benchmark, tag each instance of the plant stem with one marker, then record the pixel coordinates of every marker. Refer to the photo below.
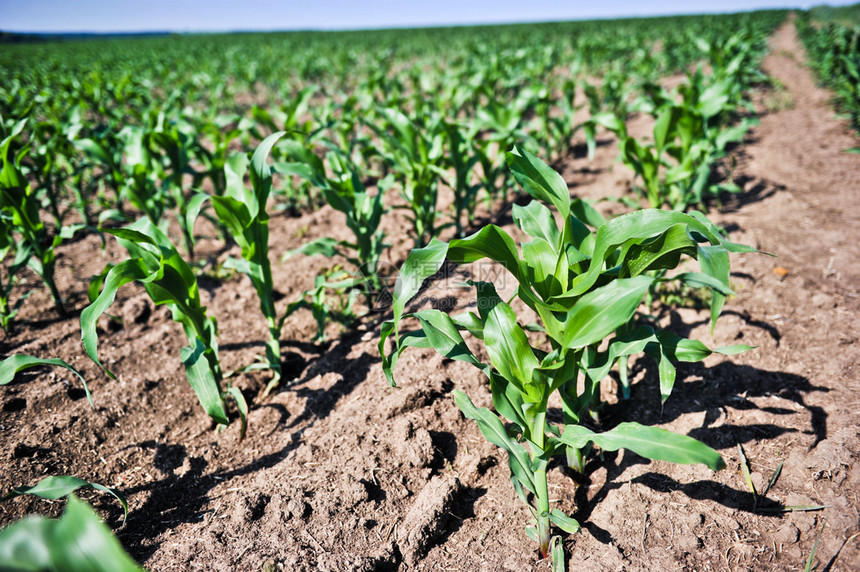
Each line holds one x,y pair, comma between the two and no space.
541,490
575,459
542,506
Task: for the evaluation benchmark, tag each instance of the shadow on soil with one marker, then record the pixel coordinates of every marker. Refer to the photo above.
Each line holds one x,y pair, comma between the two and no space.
725,386
755,189
712,391
182,495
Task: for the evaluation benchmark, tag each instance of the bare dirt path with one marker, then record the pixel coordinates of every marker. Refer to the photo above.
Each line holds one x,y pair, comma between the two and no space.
339,472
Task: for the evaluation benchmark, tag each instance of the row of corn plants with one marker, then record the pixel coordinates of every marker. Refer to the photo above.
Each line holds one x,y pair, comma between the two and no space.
695,125
834,53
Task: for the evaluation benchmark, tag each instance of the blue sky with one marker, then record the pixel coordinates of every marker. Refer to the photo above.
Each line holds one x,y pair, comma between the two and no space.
227,15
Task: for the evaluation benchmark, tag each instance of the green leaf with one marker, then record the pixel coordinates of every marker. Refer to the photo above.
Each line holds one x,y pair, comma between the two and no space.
192,211
203,382
649,442
810,562
123,273
564,522
325,245
509,349
493,429
261,174
76,542
234,175
421,264
745,470
26,545
407,340
233,214
539,179
641,225
55,487
600,312
663,126
542,263
714,261
19,362
773,479
242,406
557,553
583,211
536,220
442,334
490,242
85,543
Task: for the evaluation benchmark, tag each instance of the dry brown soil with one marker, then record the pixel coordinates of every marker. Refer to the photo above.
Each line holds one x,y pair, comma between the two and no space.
339,472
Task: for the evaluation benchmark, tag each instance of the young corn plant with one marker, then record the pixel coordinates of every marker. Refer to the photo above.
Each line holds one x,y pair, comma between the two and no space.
462,160
178,144
8,308
344,192
19,211
584,286
168,279
416,160
242,211
325,307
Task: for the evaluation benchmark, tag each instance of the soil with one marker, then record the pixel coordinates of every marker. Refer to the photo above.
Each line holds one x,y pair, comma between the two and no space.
339,472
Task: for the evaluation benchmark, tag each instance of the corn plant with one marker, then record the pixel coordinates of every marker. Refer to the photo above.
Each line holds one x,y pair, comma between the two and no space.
243,214
56,487
168,279
140,185
9,309
584,287
834,50
177,142
287,117
19,210
461,158
50,162
323,306
415,155
344,192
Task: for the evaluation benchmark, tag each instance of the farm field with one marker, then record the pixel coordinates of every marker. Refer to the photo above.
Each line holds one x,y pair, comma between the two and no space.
336,470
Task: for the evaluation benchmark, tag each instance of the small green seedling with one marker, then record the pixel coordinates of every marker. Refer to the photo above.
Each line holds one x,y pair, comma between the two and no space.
169,280
242,211
20,216
55,487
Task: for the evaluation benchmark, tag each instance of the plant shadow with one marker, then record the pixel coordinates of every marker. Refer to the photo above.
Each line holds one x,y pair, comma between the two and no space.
712,391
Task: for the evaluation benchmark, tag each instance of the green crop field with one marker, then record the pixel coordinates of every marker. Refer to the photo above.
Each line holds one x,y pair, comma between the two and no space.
408,137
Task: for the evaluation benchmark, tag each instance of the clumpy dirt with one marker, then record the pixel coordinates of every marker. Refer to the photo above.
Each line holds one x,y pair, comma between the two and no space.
339,472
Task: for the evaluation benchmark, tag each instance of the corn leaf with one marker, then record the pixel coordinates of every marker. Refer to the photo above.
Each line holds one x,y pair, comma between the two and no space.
19,362
650,442
599,313
123,273
493,429
55,487
202,379
76,542
540,180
